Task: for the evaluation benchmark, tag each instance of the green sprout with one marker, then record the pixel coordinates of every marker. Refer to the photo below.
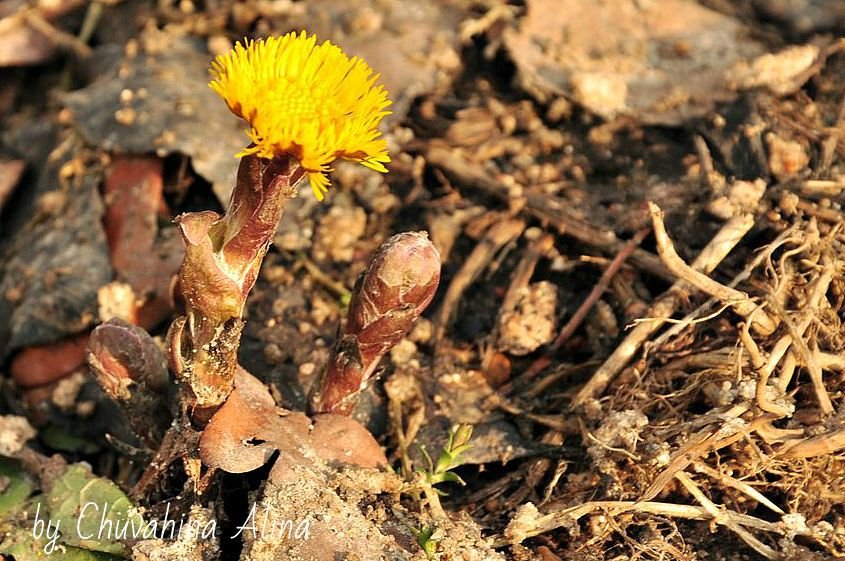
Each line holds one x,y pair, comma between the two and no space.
450,458
426,540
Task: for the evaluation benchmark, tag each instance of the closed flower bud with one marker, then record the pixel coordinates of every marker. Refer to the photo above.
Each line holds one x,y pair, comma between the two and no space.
397,286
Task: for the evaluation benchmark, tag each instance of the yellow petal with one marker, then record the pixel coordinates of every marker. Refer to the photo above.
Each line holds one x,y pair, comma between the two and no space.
319,184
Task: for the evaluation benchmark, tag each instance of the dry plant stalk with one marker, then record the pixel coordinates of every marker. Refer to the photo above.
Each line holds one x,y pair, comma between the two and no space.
663,308
528,522
719,517
496,237
821,445
739,301
397,286
746,377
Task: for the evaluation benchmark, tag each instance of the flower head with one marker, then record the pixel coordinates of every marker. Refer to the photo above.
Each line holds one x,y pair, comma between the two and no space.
309,101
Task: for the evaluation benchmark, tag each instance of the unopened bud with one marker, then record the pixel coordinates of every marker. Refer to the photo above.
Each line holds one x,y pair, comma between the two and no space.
131,369
397,286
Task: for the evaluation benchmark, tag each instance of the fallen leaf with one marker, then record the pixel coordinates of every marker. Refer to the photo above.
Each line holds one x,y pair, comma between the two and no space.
249,428
54,261
239,437
161,103
43,364
658,62
412,45
142,255
65,491
19,486
338,438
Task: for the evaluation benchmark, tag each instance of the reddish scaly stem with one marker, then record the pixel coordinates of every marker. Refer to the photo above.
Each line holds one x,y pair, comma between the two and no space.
397,286
222,258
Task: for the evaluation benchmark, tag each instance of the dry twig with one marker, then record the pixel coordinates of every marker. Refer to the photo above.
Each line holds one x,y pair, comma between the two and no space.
543,207
499,235
578,317
739,301
663,308
529,523
720,517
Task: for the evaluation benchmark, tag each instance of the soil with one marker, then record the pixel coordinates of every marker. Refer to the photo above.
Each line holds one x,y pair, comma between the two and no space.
638,208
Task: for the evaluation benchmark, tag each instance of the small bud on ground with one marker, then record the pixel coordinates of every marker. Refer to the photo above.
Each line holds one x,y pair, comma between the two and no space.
131,369
397,286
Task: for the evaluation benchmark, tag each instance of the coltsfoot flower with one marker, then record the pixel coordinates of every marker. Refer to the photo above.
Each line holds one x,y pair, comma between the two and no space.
309,101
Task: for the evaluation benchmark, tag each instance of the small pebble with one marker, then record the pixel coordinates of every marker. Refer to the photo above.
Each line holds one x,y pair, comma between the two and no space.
403,352
273,353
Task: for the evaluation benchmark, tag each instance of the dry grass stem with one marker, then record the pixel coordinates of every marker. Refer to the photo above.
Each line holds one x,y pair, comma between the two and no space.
498,236
739,301
663,308
720,517
763,256
821,445
745,488
528,524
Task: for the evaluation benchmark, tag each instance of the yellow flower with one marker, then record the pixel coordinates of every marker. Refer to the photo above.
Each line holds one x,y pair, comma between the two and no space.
309,101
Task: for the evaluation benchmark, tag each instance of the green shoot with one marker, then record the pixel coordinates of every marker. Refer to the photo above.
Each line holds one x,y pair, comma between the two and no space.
426,540
441,471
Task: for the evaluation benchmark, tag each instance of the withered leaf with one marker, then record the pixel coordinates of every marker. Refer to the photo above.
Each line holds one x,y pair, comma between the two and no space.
54,261
249,428
170,109
658,62
412,45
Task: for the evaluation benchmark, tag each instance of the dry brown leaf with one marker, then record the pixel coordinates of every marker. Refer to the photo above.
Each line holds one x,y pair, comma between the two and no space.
43,364
55,258
141,255
659,62
342,439
249,428
238,439
413,45
160,102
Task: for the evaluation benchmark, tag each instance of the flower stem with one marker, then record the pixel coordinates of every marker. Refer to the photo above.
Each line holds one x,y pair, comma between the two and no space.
223,256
